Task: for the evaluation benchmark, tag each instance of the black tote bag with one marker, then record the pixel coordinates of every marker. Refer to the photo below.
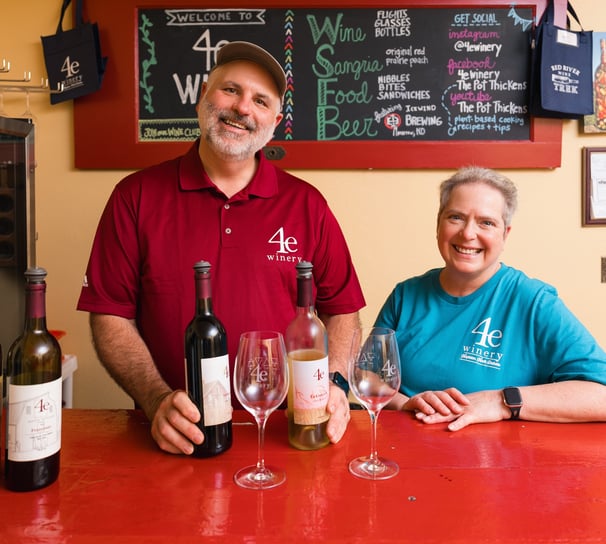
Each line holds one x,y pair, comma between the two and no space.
561,78
73,58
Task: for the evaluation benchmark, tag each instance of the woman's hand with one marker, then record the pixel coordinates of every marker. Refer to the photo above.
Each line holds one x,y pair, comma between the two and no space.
460,410
449,404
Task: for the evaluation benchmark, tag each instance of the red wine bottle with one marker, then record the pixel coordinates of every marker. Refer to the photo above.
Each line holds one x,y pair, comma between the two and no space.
33,396
207,369
307,347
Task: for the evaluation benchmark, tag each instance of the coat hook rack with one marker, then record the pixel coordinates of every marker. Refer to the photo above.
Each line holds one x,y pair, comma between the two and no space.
27,76
14,85
42,88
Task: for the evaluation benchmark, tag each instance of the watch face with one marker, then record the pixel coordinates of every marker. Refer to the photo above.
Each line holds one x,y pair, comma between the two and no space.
512,396
339,380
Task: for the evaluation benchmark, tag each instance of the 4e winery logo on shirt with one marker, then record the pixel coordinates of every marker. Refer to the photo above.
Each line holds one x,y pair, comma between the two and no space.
484,352
286,246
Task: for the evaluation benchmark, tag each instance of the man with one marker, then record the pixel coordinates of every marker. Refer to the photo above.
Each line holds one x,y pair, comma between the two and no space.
225,203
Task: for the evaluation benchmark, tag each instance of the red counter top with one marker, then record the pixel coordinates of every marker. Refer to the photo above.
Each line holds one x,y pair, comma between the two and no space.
494,483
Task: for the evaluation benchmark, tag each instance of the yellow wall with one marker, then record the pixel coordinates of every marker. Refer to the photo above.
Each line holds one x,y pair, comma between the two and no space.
388,216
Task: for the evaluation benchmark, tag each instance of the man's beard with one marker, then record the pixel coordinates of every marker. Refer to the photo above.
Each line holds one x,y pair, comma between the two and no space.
226,142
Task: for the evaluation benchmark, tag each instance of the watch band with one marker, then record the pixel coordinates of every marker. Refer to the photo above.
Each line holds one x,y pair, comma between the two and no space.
339,381
515,412
512,398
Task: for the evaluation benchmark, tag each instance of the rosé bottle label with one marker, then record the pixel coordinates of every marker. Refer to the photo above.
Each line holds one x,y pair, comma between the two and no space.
217,395
34,421
310,387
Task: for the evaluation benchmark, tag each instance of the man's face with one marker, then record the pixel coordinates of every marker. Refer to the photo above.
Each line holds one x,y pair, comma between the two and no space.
239,109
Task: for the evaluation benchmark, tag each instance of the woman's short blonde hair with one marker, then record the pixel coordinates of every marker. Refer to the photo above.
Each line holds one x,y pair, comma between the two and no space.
477,174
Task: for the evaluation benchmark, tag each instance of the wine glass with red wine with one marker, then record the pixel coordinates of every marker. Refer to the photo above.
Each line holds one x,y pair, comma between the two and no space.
261,385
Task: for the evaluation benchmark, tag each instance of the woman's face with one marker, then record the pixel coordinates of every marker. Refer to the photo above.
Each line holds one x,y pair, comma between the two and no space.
471,234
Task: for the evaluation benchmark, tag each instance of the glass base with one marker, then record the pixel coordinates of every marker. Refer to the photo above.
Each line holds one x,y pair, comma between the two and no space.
253,478
377,469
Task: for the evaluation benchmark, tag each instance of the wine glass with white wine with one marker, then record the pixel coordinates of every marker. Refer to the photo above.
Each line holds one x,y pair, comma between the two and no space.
261,385
374,379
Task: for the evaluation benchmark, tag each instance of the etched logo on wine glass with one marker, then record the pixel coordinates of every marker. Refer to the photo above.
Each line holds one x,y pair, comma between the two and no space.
260,369
265,376
389,369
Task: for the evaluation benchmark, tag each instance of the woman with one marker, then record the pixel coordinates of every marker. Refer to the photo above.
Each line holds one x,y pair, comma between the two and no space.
480,341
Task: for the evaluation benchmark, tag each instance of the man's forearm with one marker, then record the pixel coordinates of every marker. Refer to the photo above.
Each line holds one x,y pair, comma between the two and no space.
124,354
340,330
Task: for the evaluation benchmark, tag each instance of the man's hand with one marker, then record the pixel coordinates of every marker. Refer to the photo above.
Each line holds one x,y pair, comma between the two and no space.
340,329
338,408
174,423
124,354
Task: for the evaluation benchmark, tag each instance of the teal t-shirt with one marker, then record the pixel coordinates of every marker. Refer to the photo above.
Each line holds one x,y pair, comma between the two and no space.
512,331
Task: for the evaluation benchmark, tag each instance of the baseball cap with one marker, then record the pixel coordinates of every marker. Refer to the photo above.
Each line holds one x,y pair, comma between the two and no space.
249,51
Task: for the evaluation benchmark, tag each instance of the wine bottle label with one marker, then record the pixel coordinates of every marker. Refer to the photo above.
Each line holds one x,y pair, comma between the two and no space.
34,421
217,393
310,387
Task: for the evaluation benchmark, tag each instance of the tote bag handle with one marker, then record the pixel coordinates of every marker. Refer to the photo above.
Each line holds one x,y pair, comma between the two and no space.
560,9
64,7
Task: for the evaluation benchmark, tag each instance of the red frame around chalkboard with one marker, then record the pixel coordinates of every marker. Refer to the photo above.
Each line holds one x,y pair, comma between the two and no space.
105,123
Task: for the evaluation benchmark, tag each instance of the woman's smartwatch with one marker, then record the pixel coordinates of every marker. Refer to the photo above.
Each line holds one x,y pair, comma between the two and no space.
513,400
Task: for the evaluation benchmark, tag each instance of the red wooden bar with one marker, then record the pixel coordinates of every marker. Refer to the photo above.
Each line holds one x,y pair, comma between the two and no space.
494,483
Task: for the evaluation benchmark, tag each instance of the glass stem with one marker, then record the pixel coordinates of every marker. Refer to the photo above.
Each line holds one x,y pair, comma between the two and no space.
373,437
260,458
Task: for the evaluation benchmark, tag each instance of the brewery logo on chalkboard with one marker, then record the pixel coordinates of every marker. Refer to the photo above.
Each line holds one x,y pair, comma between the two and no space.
353,74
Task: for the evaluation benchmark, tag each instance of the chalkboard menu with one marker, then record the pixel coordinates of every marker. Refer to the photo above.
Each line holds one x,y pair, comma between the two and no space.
392,84
386,74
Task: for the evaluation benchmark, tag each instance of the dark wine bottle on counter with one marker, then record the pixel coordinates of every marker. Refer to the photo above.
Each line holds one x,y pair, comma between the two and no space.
307,347
207,369
33,396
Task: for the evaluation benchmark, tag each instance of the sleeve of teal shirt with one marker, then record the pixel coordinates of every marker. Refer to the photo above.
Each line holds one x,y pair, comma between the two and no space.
389,313
566,348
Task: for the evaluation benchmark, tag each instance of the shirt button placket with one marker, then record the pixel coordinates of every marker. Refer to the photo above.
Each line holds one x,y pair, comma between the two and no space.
227,240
